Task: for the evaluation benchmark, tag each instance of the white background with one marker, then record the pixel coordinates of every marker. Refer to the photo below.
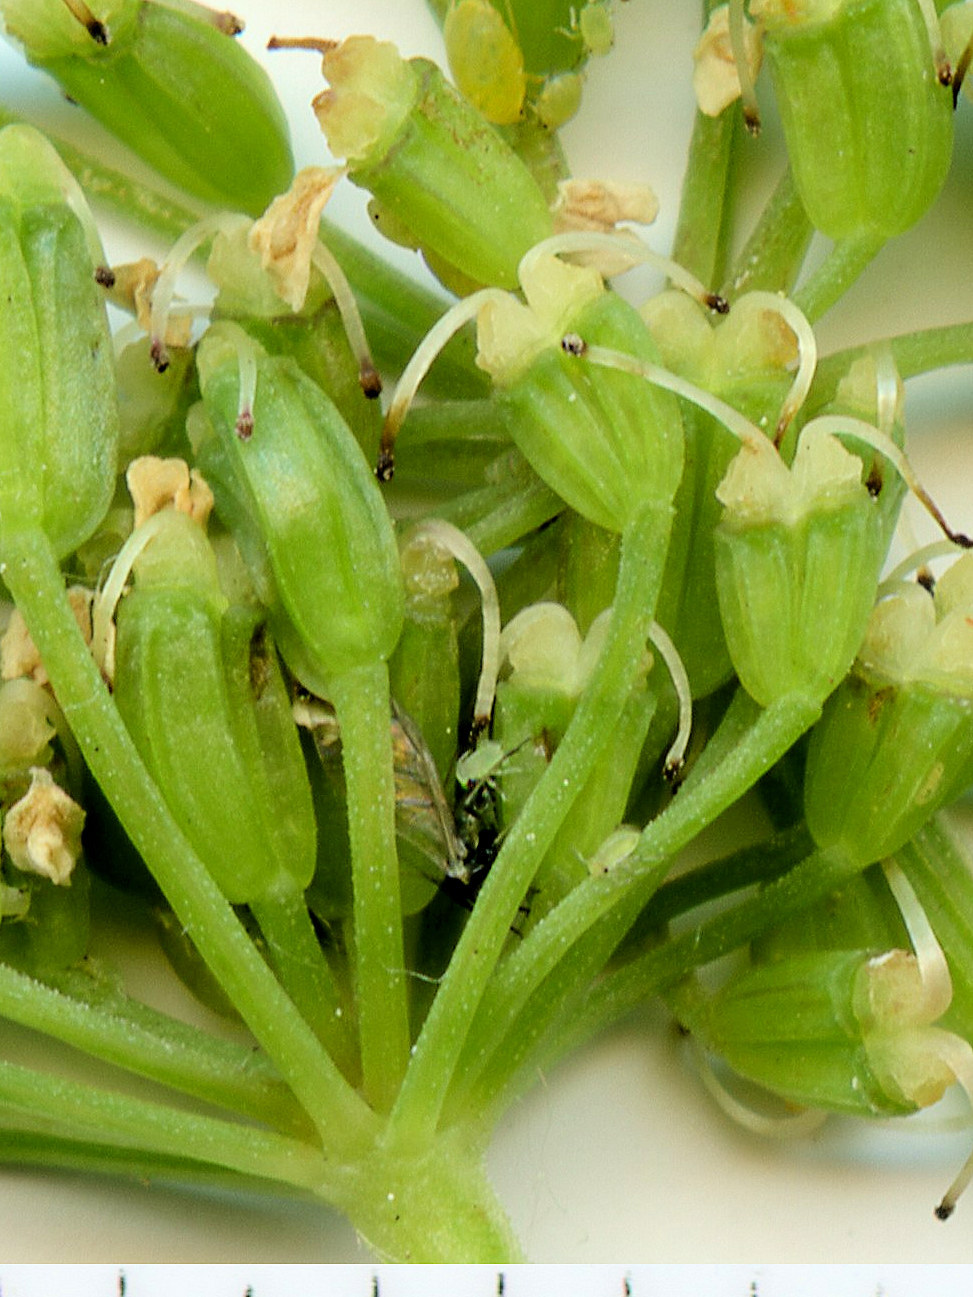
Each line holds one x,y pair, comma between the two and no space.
619,1155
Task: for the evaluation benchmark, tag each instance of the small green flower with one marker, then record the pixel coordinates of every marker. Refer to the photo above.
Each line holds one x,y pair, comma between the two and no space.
798,553
896,740
607,443
842,1030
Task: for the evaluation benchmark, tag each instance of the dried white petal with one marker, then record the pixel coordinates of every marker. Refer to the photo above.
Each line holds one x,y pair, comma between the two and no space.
286,236
155,484
600,205
18,653
42,832
716,80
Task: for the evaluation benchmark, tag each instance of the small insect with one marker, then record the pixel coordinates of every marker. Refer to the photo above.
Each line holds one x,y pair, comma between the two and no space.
422,813
477,812
458,844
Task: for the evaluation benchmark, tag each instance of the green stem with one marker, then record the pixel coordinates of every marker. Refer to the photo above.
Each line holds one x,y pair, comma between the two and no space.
772,256
706,202
107,1024
77,1110
34,579
847,259
361,702
759,863
440,1044
496,517
572,944
914,353
23,1145
640,979
296,956
434,1203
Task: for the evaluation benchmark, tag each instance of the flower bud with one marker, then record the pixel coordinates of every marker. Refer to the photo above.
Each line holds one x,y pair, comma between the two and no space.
896,740
293,487
173,85
868,124
486,62
59,422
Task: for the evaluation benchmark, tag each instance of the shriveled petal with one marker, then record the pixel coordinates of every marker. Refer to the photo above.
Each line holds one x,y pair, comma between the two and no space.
18,652
286,235
156,484
132,288
42,832
716,80
602,204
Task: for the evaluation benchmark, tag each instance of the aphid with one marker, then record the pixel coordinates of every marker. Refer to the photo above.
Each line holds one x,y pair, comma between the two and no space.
456,844
461,843
485,60
595,28
422,814
477,811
